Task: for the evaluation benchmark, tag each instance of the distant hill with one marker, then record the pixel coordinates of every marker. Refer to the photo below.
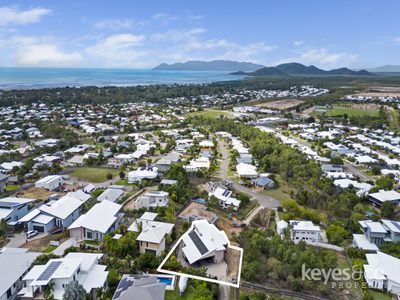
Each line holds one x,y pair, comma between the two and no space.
385,69
297,69
214,65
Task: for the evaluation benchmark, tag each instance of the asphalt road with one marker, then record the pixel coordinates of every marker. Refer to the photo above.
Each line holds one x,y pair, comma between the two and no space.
348,166
264,200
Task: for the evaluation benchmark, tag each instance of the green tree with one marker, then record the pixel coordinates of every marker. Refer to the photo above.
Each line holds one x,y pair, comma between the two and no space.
388,209
74,291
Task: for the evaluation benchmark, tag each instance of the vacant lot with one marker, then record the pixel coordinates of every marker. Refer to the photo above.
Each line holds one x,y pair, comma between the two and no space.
36,193
209,113
351,112
95,175
282,104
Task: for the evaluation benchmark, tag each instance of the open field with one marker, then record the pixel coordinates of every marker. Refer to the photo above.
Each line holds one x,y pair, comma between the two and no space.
351,112
210,113
95,175
281,104
36,193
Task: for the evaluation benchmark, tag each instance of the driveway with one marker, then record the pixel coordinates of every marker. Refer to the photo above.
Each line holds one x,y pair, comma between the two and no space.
265,200
20,239
68,243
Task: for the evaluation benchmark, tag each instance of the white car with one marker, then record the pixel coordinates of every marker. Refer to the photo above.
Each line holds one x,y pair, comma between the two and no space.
31,233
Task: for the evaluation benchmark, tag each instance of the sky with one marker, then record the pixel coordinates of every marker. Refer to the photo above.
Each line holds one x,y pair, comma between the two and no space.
143,34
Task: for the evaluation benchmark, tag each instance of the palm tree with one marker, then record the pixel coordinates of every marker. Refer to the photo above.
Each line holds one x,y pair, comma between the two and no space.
74,291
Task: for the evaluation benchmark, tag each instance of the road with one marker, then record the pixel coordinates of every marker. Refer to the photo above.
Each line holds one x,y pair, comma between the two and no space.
348,166
224,292
264,200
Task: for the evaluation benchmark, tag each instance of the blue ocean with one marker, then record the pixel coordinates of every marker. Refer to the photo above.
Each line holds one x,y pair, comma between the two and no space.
30,78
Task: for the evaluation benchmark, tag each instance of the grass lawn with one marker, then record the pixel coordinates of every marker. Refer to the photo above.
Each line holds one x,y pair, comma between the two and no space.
351,112
344,263
208,113
12,187
188,294
95,175
380,296
49,249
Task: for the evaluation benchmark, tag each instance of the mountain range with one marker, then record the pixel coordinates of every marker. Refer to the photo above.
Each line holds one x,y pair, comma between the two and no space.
297,69
385,69
214,65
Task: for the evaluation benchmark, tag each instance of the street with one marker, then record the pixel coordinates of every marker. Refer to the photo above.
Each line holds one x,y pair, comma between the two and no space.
264,200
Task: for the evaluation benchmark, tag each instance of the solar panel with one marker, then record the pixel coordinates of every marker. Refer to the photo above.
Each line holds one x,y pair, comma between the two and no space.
198,242
51,268
396,224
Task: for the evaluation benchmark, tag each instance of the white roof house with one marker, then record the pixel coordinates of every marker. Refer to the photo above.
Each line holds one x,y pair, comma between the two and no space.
142,173
142,287
153,234
60,213
225,197
202,241
383,196
152,199
80,267
111,194
15,263
197,164
101,219
304,231
51,182
246,170
13,208
382,271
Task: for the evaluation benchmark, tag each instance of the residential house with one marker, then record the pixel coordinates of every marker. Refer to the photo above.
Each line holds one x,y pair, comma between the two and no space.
304,231
152,237
198,164
383,196
263,182
51,182
382,272
102,218
3,182
12,209
204,241
152,199
142,173
246,170
59,272
111,194
224,196
15,264
142,287
54,215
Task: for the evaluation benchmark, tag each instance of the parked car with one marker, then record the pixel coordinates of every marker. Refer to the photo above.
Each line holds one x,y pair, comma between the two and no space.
31,233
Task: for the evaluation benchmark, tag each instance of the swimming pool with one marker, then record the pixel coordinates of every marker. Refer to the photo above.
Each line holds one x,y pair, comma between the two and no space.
168,280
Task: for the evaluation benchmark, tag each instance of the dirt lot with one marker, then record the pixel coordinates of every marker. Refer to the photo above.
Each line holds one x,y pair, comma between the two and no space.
226,225
233,260
196,209
41,244
36,193
282,104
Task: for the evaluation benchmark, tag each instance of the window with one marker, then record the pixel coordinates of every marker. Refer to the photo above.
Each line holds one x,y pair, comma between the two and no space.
89,234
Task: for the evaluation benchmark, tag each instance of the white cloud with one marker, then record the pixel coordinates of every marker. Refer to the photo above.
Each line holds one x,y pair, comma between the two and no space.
13,16
322,57
298,43
396,40
39,55
117,24
118,50
177,35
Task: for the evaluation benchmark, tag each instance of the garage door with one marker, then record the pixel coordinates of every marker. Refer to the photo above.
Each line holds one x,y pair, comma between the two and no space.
38,228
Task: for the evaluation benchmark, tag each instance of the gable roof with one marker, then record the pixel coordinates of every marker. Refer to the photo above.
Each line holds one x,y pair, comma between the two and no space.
99,218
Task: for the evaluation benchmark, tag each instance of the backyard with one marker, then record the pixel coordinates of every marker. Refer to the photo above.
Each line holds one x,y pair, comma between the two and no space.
95,175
